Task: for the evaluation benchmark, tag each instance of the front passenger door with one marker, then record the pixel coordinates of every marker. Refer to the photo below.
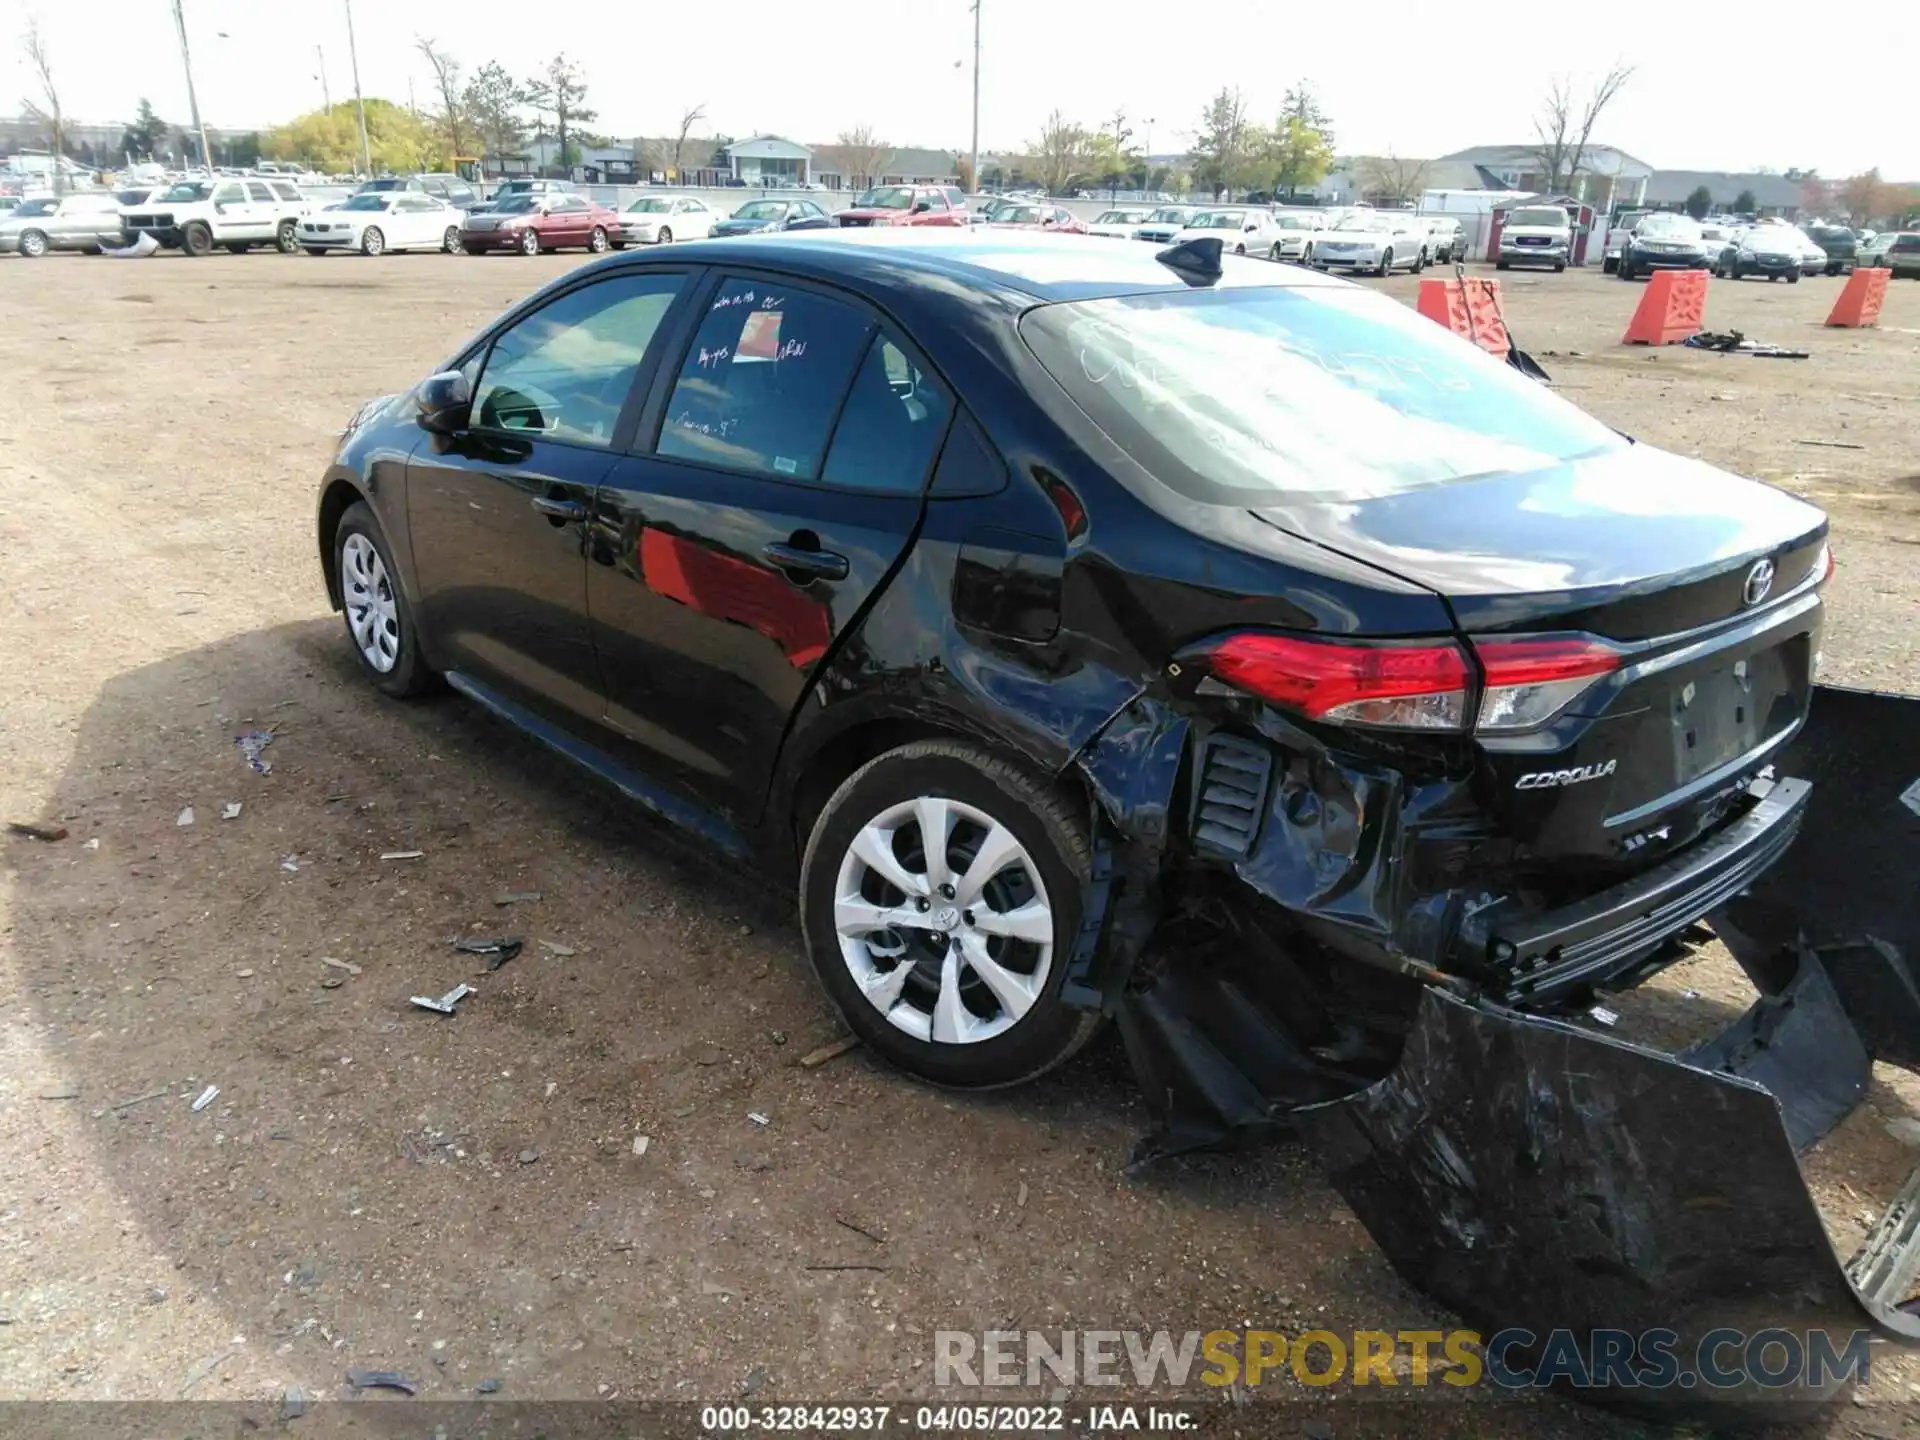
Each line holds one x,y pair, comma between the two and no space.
498,512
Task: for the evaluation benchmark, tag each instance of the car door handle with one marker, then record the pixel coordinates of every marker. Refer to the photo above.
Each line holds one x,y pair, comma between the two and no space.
797,560
556,509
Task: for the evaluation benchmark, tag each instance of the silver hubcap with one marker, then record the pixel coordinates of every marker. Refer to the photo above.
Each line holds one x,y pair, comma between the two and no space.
33,245
376,242
372,613
944,921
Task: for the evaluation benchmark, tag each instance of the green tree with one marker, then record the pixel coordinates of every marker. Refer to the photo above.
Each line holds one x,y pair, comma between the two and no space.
145,134
561,91
1226,144
1744,203
329,139
1298,156
1061,153
491,101
1699,202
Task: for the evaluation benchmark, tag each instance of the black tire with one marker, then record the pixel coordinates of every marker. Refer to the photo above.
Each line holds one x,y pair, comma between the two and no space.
33,244
1385,267
1559,266
450,242
373,241
1609,267
1794,279
410,674
315,250
597,241
529,241
1501,265
284,238
196,239
1274,253
1624,270
1046,825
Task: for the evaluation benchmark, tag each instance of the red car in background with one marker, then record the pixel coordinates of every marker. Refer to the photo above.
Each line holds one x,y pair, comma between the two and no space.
532,223
908,205
1038,216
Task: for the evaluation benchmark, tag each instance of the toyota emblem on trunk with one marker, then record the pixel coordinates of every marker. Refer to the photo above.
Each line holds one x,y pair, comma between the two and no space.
1759,582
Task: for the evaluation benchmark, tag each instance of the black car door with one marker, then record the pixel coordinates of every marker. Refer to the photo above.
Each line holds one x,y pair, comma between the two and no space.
498,513
776,480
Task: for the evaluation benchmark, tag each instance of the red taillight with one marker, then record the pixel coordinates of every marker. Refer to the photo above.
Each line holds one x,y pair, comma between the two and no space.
1532,679
1421,686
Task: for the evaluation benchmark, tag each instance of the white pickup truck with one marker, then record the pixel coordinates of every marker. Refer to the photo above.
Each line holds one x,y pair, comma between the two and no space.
195,215
1616,241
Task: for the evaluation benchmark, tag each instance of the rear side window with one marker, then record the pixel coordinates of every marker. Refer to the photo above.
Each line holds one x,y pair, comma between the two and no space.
893,423
285,192
764,379
564,372
1244,396
259,192
1904,243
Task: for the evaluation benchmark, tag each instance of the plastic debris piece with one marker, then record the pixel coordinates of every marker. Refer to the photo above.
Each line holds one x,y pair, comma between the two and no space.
554,947
516,897
200,1369
403,855
444,1005
813,1059
346,965
640,1143
184,818
143,245
141,1099
48,833
93,844
61,1092
757,1118
230,811
206,1098
489,1386
527,1157
1601,1015
293,1403
290,864
381,1380
498,950
251,745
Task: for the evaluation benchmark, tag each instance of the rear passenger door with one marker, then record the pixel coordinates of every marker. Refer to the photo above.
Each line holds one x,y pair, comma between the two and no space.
777,476
263,210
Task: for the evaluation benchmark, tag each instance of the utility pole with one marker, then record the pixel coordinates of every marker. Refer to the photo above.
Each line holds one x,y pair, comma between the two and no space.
353,54
326,96
193,100
976,94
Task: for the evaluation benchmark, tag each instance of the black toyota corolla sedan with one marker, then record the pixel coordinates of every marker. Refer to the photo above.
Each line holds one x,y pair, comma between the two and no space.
1029,600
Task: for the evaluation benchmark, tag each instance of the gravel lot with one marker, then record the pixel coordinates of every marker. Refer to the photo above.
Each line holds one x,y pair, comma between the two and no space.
461,1199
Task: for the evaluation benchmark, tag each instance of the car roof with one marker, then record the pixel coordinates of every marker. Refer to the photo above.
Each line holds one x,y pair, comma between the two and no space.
1013,263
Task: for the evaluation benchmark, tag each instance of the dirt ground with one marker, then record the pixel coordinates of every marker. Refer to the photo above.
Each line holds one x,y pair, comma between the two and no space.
462,1199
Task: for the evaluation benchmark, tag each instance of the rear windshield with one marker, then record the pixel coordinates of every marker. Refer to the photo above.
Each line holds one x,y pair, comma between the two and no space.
1537,217
1247,395
1904,243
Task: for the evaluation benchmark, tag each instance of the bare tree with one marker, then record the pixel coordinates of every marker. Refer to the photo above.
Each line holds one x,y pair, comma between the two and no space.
687,121
1388,177
447,77
562,92
47,107
861,155
1060,154
1565,124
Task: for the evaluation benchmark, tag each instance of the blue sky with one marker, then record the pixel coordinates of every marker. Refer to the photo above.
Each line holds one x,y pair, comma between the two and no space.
1707,93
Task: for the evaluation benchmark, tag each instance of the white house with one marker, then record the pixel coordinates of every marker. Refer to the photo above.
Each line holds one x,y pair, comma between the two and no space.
770,160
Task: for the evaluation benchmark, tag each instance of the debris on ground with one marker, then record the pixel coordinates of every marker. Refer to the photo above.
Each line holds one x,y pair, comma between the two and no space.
251,745
813,1059
860,1230
878,1269
444,1005
200,1369
1906,1130
61,1092
381,1380
141,1099
1601,1015
93,844
230,811
1735,343
756,1378
498,949
48,833
1020,1200
205,1099
554,947
243,973
293,1403
527,1157
757,1118
1832,444
184,818
640,1143
489,1386
403,855
346,965
516,897
290,864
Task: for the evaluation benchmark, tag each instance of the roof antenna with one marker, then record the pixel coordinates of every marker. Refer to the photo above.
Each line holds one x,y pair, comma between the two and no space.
1197,262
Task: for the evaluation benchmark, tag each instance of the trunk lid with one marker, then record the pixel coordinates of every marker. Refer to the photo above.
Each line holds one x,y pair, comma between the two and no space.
1708,586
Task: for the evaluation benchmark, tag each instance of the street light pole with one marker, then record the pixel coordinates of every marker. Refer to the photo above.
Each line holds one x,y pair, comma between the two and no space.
975,161
326,96
353,54
193,100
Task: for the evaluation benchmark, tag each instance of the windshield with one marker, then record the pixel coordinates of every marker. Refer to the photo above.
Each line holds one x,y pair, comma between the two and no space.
30,208
1018,215
1363,220
1118,217
186,191
365,202
376,187
760,210
1293,222
652,205
1170,216
130,197
1544,215
1243,396
1218,220
890,197
1671,227
516,204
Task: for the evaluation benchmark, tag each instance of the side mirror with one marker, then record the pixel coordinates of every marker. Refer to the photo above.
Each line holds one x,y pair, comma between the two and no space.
1252,225
921,207
444,402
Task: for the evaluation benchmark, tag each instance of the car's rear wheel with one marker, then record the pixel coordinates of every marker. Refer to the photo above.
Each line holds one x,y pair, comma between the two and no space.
284,238
33,244
597,242
450,242
1419,262
940,898
372,241
529,242
196,238
379,620
1608,267
1794,278
1386,263
1274,253
666,235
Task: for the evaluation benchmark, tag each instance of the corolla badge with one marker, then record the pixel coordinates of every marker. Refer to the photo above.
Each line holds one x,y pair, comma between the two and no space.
1759,582
1578,775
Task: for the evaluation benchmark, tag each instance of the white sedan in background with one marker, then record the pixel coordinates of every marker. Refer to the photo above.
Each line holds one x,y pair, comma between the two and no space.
385,220
1241,230
1378,240
662,219
1119,223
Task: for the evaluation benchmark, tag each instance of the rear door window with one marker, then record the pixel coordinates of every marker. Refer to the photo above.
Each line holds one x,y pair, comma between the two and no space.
565,371
764,379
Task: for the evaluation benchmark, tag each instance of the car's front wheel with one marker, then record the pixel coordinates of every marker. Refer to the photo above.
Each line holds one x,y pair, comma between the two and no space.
940,898
284,238
196,238
450,242
597,242
33,244
372,241
529,242
380,623
1386,263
